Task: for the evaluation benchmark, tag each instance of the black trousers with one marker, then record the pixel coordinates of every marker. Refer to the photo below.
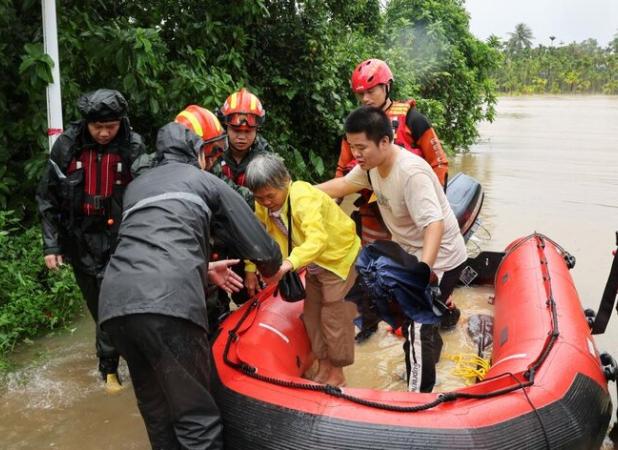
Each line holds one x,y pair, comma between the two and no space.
422,348
90,286
169,362
423,343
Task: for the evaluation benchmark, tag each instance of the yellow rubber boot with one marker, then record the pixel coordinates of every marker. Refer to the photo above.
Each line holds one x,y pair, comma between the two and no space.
112,383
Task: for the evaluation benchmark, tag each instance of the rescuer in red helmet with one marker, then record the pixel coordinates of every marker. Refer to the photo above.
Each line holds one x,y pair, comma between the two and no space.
371,82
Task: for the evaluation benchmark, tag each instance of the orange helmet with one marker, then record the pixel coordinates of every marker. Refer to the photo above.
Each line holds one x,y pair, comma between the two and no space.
370,73
202,122
242,109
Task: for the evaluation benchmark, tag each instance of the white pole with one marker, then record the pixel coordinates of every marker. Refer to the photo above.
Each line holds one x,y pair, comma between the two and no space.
54,99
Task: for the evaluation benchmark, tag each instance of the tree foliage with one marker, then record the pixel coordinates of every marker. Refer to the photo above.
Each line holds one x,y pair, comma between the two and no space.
297,56
582,67
520,39
443,65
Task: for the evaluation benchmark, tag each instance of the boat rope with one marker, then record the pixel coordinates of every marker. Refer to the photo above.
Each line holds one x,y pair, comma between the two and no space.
443,397
337,392
553,334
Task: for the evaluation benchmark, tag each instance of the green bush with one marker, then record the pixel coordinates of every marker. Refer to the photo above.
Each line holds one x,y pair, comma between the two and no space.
296,56
32,299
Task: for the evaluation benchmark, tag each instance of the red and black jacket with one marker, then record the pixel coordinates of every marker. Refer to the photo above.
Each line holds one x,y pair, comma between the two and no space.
235,171
80,194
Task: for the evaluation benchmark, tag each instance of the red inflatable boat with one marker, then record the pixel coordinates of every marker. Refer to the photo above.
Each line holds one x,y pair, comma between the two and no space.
546,387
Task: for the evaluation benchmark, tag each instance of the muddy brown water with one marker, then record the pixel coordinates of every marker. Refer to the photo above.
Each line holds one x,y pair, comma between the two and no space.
547,164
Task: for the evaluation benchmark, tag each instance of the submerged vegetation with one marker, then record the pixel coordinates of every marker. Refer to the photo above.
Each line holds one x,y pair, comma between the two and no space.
31,298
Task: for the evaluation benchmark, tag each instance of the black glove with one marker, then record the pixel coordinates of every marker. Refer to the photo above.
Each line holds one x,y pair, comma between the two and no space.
423,272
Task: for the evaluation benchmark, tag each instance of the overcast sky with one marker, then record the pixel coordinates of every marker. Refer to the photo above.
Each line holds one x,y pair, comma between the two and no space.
568,20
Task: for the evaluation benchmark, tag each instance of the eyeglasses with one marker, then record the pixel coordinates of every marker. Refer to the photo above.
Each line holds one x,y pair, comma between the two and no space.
239,120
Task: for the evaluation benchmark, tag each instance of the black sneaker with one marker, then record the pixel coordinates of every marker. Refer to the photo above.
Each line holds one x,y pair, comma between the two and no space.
450,317
365,334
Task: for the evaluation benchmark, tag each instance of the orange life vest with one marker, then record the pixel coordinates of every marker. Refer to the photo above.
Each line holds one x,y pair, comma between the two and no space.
372,226
427,146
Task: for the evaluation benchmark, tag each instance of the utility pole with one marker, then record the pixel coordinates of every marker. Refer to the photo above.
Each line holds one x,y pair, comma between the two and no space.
50,46
551,54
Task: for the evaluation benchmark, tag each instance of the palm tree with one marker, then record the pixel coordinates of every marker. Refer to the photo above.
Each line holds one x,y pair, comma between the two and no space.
520,39
613,45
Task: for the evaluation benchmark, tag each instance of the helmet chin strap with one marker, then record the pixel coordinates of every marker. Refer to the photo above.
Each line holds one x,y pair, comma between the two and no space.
387,99
388,102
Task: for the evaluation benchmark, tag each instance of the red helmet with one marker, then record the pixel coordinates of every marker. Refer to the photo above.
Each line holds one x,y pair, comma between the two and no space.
202,122
370,73
242,109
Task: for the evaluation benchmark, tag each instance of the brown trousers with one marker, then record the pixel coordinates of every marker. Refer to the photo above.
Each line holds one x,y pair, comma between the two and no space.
328,317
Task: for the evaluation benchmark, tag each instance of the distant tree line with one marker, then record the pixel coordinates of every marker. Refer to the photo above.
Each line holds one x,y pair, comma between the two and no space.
575,68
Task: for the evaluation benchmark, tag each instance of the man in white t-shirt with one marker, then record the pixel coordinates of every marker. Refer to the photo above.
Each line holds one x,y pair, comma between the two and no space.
417,213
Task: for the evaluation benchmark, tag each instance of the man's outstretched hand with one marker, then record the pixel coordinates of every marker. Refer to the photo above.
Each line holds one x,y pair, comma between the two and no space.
220,274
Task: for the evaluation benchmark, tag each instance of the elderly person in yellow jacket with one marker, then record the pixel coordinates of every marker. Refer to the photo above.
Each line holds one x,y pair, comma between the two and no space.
324,241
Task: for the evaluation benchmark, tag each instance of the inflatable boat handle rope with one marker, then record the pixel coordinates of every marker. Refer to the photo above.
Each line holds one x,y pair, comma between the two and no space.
442,397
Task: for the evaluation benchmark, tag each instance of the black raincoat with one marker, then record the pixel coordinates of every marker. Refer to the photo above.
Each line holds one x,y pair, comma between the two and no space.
161,260
85,241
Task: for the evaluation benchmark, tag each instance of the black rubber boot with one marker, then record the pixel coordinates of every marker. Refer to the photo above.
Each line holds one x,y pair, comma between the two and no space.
450,317
365,334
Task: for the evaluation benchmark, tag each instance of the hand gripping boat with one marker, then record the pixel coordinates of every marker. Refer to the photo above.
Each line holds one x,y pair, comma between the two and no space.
546,388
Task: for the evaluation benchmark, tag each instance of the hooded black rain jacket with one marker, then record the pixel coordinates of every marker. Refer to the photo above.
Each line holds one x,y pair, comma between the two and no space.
86,241
161,261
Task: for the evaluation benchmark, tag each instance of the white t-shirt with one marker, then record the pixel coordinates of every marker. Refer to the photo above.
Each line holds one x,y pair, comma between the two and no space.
410,198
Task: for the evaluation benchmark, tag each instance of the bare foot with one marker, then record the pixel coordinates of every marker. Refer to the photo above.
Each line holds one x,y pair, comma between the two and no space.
323,371
312,371
335,377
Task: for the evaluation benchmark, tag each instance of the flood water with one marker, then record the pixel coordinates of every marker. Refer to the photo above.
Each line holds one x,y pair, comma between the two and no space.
547,164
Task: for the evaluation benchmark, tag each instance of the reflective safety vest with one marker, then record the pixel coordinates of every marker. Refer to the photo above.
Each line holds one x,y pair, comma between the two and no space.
427,146
402,135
